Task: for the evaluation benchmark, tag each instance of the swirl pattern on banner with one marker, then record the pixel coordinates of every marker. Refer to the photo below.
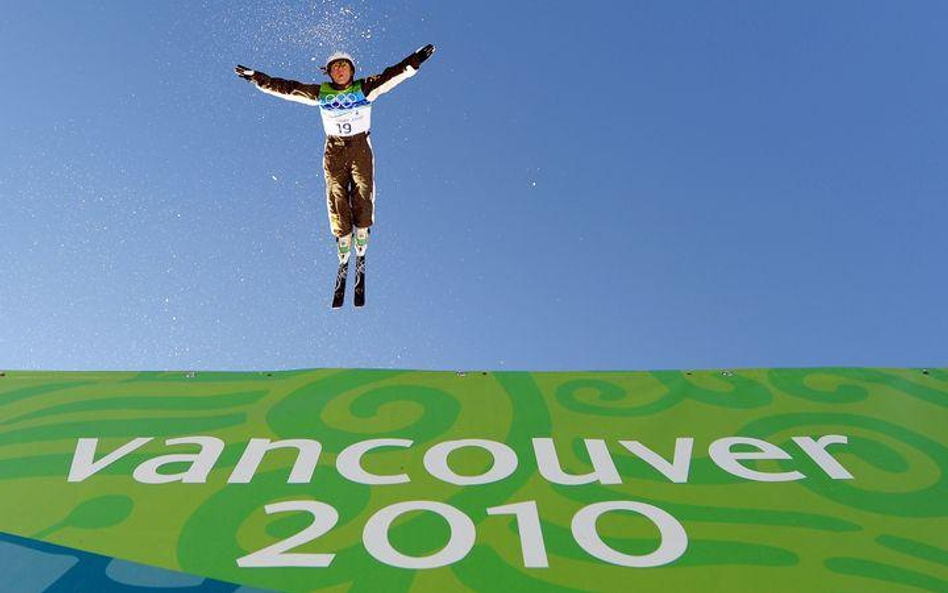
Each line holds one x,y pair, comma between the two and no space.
306,410
601,397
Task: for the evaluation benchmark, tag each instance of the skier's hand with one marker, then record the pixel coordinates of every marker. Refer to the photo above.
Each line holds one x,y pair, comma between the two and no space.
422,54
244,72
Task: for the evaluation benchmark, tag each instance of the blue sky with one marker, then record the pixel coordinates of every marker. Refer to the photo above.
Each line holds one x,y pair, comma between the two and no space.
617,185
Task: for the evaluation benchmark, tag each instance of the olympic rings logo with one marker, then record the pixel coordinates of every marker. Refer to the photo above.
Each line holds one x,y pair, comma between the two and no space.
340,101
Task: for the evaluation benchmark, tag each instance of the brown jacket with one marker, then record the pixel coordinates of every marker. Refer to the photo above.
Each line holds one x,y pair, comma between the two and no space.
308,93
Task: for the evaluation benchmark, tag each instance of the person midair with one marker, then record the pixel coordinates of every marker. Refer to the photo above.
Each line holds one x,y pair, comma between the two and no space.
348,162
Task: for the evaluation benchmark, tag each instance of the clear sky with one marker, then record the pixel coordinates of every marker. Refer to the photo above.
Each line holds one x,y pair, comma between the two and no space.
601,185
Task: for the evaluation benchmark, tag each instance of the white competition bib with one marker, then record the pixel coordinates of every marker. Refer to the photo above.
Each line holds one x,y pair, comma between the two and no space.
347,122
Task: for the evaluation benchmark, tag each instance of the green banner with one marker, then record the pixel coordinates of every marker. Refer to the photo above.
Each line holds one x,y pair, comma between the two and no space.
384,480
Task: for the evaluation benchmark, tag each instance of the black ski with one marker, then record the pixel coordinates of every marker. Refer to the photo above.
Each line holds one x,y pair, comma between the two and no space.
359,298
339,293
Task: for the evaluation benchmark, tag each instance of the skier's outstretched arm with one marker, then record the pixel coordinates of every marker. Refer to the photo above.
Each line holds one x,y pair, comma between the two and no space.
373,86
291,90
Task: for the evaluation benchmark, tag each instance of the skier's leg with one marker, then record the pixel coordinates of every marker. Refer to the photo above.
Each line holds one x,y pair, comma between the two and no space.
338,177
363,180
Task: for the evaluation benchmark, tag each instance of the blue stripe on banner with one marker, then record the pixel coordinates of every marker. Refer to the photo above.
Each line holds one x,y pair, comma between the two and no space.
35,565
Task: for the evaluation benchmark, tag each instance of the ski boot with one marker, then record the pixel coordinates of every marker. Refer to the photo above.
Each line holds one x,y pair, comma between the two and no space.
344,248
361,241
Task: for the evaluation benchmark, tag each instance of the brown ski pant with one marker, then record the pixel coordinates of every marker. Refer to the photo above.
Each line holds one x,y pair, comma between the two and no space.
348,164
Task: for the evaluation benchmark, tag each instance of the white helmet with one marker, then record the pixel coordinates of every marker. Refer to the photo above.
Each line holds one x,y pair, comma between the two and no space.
335,57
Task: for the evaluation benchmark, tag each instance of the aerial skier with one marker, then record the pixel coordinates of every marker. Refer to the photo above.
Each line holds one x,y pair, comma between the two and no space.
346,107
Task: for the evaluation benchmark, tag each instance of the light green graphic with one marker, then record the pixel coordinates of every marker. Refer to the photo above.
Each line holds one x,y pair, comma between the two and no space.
882,527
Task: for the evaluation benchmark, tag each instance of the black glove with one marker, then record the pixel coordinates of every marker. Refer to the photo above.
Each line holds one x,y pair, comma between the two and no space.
420,56
244,72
